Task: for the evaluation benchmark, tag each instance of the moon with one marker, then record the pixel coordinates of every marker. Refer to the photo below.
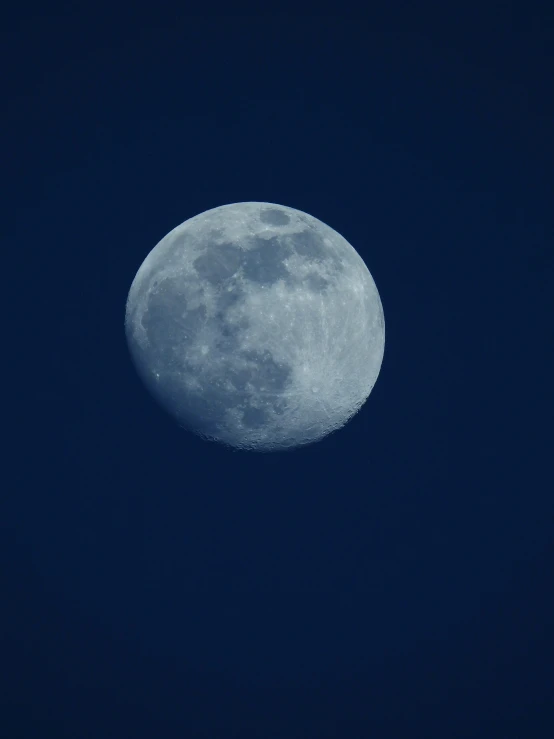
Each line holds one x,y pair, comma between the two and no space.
257,326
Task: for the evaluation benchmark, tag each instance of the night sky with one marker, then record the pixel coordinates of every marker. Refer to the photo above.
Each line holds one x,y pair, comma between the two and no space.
393,580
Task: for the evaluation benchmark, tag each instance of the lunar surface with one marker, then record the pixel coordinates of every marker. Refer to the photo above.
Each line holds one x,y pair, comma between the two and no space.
256,325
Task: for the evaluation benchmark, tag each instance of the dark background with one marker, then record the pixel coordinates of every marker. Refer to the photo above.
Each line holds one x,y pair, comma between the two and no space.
395,579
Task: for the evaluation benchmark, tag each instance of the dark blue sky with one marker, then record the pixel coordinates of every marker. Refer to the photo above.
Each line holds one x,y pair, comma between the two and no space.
393,580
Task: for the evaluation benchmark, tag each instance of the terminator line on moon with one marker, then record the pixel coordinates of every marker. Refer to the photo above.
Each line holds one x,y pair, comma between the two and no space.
256,325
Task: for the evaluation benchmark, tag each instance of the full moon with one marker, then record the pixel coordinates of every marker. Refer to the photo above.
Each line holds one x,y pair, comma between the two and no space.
256,325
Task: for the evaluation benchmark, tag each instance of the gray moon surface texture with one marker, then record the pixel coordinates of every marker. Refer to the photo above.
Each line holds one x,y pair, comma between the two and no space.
256,325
